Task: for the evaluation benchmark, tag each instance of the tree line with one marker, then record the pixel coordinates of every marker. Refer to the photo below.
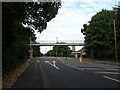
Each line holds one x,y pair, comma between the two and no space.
59,51
19,22
100,36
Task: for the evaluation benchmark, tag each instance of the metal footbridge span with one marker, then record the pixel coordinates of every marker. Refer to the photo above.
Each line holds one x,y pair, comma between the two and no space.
60,43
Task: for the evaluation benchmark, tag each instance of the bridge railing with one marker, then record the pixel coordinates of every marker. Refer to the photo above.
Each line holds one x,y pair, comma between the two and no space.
65,41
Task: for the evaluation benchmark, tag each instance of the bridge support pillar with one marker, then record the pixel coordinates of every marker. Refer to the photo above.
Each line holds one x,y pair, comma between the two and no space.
76,56
73,49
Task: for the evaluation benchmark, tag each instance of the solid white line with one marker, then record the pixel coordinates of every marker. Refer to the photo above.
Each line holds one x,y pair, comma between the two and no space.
111,78
52,64
108,72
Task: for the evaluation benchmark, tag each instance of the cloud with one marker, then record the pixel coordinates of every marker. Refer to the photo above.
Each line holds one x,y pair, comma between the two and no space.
71,16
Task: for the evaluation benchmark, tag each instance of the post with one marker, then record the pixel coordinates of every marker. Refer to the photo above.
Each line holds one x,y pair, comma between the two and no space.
81,52
56,46
115,40
73,49
30,49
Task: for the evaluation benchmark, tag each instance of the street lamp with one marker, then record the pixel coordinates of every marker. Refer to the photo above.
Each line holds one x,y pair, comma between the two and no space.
115,40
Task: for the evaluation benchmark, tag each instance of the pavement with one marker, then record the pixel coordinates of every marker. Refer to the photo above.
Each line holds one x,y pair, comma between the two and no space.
30,78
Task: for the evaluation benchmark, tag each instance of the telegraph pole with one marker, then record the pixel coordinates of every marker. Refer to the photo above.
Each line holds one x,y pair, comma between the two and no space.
115,40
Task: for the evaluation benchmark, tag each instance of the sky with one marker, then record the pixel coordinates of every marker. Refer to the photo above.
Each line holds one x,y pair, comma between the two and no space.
69,21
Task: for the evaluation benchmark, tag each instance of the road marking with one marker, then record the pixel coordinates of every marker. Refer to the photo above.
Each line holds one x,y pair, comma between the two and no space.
108,72
91,68
76,67
113,69
52,64
66,64
38,61
61,61
111,78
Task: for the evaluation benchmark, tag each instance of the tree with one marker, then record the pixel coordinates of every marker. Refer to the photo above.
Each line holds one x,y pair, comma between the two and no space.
59,51
36,51
15,37
39,13
50,53
99,35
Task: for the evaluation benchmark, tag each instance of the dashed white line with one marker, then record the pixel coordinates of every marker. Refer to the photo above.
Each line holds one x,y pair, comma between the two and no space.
76,67
108,72
113,69
111,78
90,68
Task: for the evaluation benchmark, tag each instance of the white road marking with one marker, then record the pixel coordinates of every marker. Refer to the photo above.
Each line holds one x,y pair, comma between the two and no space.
113,69
52,64
91,68
111,78
108,72
76,67
38,61
62,61
66,64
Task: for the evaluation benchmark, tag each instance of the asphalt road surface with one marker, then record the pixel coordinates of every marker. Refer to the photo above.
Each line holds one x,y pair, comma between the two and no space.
50,72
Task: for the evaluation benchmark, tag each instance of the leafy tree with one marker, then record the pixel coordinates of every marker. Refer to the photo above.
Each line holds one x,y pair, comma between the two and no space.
99,35
38,14
15,37
59,51
36,51
50,53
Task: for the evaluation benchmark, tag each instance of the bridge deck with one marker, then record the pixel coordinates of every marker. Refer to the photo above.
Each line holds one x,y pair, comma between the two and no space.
54,44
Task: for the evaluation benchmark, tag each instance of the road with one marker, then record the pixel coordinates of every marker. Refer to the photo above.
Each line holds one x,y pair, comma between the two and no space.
61,73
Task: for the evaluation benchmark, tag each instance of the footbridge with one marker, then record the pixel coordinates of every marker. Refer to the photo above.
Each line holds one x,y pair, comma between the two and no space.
72,43
58,43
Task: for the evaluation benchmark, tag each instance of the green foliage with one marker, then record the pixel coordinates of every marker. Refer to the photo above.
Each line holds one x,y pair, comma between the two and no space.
38,14
99,35
59,51
36,51
15,37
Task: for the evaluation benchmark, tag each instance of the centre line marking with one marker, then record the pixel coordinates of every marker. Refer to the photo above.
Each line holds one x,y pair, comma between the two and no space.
52,64
111,78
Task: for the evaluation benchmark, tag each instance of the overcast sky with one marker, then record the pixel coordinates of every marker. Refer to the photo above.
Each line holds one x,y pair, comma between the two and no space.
69,21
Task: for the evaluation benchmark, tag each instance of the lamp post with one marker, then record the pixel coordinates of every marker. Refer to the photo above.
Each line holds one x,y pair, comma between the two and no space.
115,40
56,46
